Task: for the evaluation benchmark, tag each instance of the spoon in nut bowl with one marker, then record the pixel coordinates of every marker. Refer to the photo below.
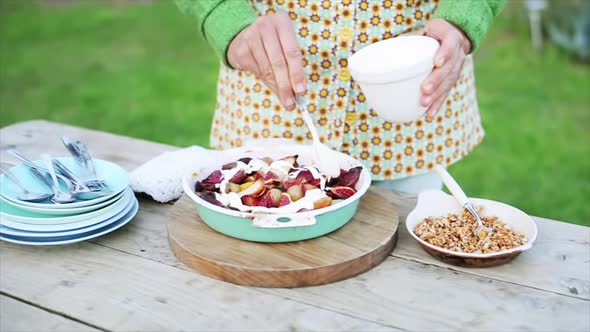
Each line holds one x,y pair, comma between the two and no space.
324,158
481,231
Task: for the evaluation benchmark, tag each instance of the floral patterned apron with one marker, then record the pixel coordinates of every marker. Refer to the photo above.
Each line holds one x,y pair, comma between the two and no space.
329,31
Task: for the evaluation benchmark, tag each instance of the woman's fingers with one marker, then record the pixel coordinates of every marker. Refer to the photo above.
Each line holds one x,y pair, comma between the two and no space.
269,49
291,51
441,94
278,63
443,63
448,62
256,48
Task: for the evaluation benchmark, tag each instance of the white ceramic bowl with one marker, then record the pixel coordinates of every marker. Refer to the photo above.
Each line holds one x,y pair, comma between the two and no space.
435,203
390,73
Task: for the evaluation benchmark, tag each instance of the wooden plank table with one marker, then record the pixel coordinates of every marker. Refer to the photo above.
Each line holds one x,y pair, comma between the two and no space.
130,280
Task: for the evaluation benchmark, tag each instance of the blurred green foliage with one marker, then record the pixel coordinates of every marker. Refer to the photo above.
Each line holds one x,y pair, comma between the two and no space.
142,71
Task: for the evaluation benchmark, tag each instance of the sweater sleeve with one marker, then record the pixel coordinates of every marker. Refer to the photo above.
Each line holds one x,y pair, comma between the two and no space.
474,17
219,21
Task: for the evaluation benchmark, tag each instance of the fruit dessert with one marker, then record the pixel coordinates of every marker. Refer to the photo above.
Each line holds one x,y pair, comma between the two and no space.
275,186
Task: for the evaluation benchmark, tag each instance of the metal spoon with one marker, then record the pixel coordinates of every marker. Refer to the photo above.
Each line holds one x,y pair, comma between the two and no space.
73,189
324,157
20,157
481,231
59,196
25,195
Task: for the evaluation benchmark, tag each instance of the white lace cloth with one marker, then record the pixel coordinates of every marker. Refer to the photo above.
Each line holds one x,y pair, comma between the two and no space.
161,177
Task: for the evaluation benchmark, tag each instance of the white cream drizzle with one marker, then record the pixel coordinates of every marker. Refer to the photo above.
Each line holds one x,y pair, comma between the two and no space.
306,202
230,173
314,172
281,169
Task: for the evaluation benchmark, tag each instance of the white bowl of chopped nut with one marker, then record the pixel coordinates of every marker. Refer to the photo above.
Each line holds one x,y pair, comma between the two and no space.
445,230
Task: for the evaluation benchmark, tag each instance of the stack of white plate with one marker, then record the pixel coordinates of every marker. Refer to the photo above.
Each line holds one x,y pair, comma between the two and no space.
47,223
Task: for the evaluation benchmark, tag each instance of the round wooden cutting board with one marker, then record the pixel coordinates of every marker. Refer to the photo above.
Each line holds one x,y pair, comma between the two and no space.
361,244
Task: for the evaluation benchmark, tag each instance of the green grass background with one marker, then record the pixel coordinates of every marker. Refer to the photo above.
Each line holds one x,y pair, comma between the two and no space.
142,71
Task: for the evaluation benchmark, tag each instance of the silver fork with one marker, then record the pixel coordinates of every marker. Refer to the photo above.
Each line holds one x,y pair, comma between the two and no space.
81,189
81,155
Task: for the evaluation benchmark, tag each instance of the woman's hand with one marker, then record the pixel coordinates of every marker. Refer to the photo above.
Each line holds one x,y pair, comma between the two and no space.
448,62
269,49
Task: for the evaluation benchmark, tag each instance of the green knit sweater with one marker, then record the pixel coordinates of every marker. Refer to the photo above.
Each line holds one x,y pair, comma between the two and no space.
221,20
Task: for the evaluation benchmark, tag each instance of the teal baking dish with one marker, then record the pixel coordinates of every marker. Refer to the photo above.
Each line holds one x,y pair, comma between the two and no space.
275,228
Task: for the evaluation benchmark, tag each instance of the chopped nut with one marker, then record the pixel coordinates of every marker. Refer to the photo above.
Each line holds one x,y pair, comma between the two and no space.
455,232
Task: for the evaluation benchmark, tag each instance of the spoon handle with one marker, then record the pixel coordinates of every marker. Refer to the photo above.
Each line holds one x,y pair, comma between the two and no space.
307,118
20,157
12,178
452,185
41,177
67,173
47,159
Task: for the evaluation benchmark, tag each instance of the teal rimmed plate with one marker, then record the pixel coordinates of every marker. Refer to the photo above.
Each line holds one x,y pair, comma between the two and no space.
60,240
62,211
115,176
106,220
59,223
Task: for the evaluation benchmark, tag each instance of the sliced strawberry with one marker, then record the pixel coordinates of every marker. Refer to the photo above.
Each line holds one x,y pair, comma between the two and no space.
341,192
306,176
229,166
271,177
239,177
348,178
258,175
292,182
209,196
251,200
199,187
213,179
285,199
271,198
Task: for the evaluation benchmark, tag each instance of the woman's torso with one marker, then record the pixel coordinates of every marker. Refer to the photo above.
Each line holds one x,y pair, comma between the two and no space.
329,32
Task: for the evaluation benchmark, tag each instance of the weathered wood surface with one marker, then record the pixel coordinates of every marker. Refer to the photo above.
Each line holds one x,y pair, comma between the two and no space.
362,243
17,316
118,282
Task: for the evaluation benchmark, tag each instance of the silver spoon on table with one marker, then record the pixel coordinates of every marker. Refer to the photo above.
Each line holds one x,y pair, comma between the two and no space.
459,194
25,195
59,196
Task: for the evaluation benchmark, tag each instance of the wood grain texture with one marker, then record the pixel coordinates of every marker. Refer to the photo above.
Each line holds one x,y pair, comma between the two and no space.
117,291
358,246
16,316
